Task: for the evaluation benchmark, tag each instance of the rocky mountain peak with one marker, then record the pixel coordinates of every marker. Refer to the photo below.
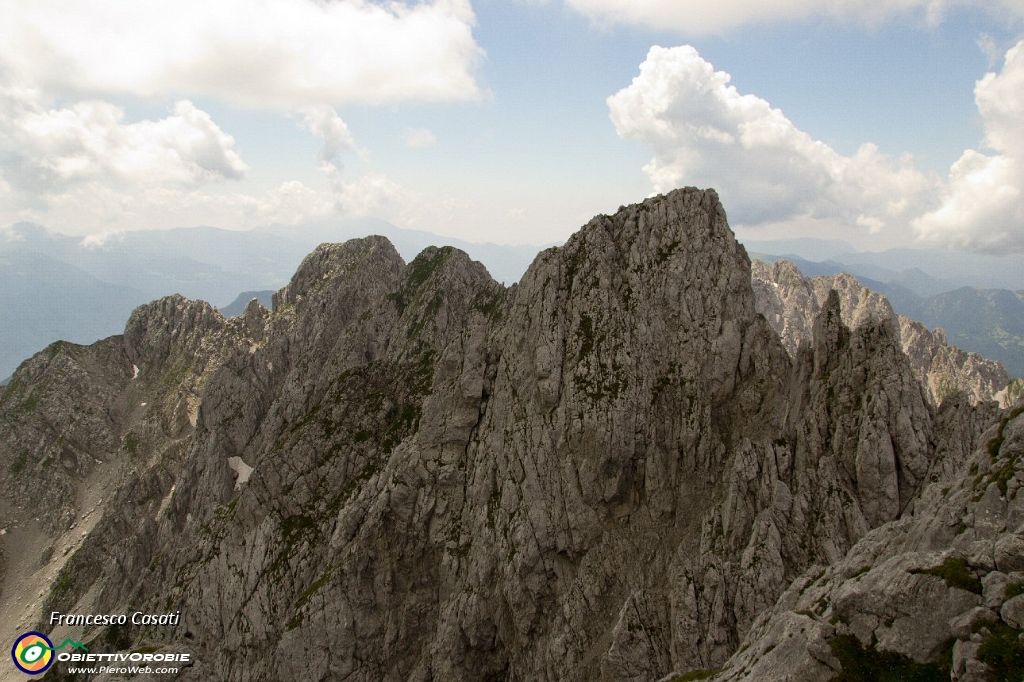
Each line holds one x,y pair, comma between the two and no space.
329,263
790,302
612,470
171,324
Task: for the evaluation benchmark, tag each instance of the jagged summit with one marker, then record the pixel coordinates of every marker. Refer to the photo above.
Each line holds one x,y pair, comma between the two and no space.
791,302
612,470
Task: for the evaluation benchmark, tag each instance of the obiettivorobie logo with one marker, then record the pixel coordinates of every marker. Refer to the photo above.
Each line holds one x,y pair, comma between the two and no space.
33,652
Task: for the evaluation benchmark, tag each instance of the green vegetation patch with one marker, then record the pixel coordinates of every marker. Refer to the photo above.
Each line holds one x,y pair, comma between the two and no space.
294,622
421,269
9,390
179,372
295,527
297,531
117,638
303,598
73,580
663,255
994,444
599,389
425,265
313,589
488,303
131,442
870,665
54,349
18,465
1003,651
148,649
956,573
585,333
65,582
1013,590
30,404
947,386
699,674
1014,390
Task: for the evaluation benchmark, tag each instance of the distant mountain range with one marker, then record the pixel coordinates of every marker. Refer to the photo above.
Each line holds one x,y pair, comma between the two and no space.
988,321
58,288
925,271
237,307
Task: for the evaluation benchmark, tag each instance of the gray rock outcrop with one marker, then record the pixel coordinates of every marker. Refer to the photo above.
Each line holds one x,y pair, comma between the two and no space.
612,470
790,302
936,592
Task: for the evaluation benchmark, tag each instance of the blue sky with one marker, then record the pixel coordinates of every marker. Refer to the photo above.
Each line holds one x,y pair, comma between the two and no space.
883,122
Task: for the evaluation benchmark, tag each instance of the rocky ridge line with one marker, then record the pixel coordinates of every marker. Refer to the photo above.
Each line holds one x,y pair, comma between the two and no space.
790,302
611,470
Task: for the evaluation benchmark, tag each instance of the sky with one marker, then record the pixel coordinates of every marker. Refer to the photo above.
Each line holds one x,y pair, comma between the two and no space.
879,122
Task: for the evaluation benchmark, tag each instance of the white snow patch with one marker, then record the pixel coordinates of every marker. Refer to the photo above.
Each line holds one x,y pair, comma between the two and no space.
135,371
242,471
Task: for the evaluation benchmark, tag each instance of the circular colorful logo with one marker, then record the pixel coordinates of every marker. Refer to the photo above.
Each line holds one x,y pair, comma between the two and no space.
32,653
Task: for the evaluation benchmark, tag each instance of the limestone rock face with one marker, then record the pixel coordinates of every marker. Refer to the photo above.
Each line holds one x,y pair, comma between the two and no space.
90,433
611,470
790,302
940,587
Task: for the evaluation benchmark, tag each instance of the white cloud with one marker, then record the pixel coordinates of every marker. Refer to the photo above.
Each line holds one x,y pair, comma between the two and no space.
85,170
324,122
100,239
70,157
700,16
99,212
703,132
418,138
277,54
374,194
989,48
48,151
983,205
290,203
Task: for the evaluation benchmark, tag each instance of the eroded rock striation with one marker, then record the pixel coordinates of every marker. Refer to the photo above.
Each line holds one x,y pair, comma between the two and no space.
611,470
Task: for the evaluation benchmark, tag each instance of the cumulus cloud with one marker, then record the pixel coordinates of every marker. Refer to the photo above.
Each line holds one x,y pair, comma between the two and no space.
704,132
84,169
48,151
983,206
281,55
699,16
69,155
418,138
